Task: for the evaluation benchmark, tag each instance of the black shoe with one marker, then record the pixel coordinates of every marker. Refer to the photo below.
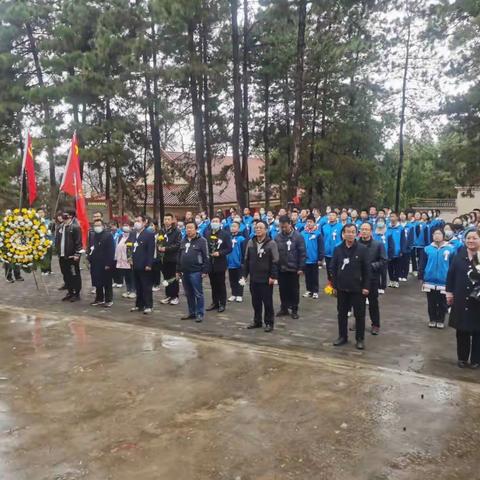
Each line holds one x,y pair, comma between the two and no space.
10,280
352,328
268,328
221,308
188,317
211,307
282,313
97,303
75,298
340,341
295,315
63,287
254,325
462,364
360,345
21,279
67,297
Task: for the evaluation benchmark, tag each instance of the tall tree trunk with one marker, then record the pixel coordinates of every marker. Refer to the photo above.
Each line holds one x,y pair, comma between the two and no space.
197,116
206,119
402,117
47,113
288,132
266,140
299,82
312,146
158,202
245,110
108,175
237,107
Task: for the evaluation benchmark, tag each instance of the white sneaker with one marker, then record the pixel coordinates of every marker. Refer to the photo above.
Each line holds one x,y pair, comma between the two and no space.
132,295
174,301
147,311
165,301
315,295
117,285
403,279
155,289
432,324
381,291
232,298
307,294
415,274
396,284
391,284
440,325
125,294
239,299
349,314
93,291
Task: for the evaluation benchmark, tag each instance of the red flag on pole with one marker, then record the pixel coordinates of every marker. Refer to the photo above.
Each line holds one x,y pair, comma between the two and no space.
72,185
28,168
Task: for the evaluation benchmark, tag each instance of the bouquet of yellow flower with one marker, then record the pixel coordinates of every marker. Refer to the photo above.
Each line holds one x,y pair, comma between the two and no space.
23,238
328,289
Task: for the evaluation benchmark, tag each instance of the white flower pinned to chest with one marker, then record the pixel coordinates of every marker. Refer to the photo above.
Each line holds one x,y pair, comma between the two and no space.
260,252
334,235
446,255
234,242
289,245
312,237
346,261
187,246
135,246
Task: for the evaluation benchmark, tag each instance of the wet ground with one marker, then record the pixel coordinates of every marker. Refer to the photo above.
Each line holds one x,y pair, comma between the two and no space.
87,393
82,398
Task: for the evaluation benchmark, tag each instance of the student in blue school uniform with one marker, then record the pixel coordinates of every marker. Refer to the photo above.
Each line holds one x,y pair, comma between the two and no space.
433,271
418,245
315,253
395,250
380,235
407,246
235,261
332,237
450,237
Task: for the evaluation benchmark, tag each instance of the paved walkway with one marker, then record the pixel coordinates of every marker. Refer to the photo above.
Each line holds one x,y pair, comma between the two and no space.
405,343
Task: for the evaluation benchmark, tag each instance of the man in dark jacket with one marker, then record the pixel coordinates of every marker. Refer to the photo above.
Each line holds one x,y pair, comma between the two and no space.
169,240
68,242
351,283
291,264
192,266
101,257
142,244
261,264
219,246
377,259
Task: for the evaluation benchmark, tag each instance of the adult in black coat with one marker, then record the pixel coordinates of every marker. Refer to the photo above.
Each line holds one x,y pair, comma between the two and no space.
219,246
378,260
142,245
68,243
351,273
464,278
101,256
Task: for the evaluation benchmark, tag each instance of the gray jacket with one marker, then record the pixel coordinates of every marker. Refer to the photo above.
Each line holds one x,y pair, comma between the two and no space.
291,252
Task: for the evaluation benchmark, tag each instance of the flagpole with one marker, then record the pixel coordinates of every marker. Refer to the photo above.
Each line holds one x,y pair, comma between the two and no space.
63,177
22,173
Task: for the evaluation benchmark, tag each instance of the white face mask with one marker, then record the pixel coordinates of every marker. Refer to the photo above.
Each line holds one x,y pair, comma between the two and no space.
215,226
138,226
198,221
98,229
126,229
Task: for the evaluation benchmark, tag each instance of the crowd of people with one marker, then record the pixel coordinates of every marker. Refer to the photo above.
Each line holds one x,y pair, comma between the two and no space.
363,252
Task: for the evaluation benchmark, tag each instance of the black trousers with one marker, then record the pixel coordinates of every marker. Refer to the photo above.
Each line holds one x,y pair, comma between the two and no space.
311,277
373,306
143,285
383,278
156,271
104,293
71,275
405,265
12,270
345,301
468,346
219,288
117,276
169,270
234,275
394,269
417,253
262,298
328,262
289,286
437,306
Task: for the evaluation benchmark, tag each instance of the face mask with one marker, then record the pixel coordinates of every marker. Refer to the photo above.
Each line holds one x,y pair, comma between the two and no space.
239,220
98,229
262,212
126,229
150,229
138,226
215,226
448,235
180,226
198,221
380,224
277,222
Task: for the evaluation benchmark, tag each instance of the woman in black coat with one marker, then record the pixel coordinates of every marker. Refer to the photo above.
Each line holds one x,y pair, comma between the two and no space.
463,279
101,256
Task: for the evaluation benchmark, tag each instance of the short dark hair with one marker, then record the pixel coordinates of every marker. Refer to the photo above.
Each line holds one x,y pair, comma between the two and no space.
366,223
216,216
168,215
142,216
70,211
349,225
98,211
190,222
98,220
284,219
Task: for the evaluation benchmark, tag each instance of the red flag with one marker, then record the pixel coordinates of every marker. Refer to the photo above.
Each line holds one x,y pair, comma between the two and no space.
28,168
72,185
